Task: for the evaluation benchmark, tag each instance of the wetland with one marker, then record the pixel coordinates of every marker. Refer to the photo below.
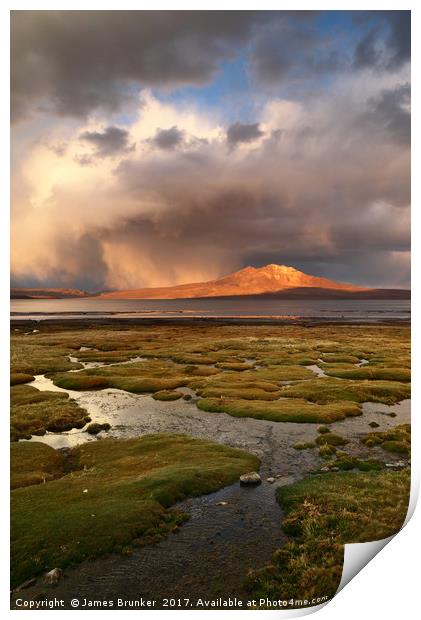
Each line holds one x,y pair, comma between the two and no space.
128,442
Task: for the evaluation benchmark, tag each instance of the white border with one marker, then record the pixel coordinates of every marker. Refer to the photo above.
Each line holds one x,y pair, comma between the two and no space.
389,585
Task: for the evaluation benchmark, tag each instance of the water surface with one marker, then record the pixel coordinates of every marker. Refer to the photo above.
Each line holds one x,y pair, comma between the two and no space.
339,309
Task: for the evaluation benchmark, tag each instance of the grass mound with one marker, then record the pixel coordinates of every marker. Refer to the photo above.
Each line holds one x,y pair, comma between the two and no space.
345,462
34,463
326,451
31,356
247,393
322,514
339,358
238,366
372,373
167,395
396,440
304,445
139,377
325,390
331,439
138,385
323,429
34,412
285,410
127,483
16,378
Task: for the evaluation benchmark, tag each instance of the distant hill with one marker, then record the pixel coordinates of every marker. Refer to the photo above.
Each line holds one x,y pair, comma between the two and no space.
46,293
274,281
271,280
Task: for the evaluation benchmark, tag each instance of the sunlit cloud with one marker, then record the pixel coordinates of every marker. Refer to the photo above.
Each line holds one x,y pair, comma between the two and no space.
166,189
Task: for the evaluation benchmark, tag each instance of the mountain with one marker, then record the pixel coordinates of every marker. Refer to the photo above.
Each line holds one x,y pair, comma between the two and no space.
46,293
269,280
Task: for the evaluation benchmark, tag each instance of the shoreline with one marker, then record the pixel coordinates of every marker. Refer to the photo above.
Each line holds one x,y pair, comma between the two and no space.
79,321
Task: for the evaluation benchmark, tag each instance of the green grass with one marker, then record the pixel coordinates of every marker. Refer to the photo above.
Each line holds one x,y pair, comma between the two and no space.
34,463
339,358
29,356
345,462
16,378
234,381
139,377
247,393
396,440
323,429
139,385
325,390
371,373
238,366
167,395
331,439
304,446
34,412
288,410
322,514
130,485
106,357
327,450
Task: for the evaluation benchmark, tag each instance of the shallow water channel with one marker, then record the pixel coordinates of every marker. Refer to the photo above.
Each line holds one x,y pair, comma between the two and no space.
230,531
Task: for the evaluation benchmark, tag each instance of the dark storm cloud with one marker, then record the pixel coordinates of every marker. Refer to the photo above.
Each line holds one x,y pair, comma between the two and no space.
324,207
167,139
240,132
80,262
293,48
76,61
112,141
320,182
399,39
390,111
297,49
387,44
366,52
73,62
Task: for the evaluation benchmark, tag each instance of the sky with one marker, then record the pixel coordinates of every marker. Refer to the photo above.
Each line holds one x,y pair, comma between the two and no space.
154,148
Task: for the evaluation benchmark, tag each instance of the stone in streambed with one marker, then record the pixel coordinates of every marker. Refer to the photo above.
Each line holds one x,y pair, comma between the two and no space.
95,428
53,576
251,477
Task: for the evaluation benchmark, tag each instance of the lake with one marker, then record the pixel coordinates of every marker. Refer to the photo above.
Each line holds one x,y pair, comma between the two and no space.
339,309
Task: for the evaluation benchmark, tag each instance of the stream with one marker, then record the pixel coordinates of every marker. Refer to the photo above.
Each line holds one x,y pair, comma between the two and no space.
230,531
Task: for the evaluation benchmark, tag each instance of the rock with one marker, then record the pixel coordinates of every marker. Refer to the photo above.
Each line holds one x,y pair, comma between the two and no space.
95,428
187,396
271,480
53,576
85,491
251,477
221,503
334,469
374,424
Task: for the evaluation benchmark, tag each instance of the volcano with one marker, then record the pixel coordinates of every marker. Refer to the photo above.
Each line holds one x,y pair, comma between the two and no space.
269,280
